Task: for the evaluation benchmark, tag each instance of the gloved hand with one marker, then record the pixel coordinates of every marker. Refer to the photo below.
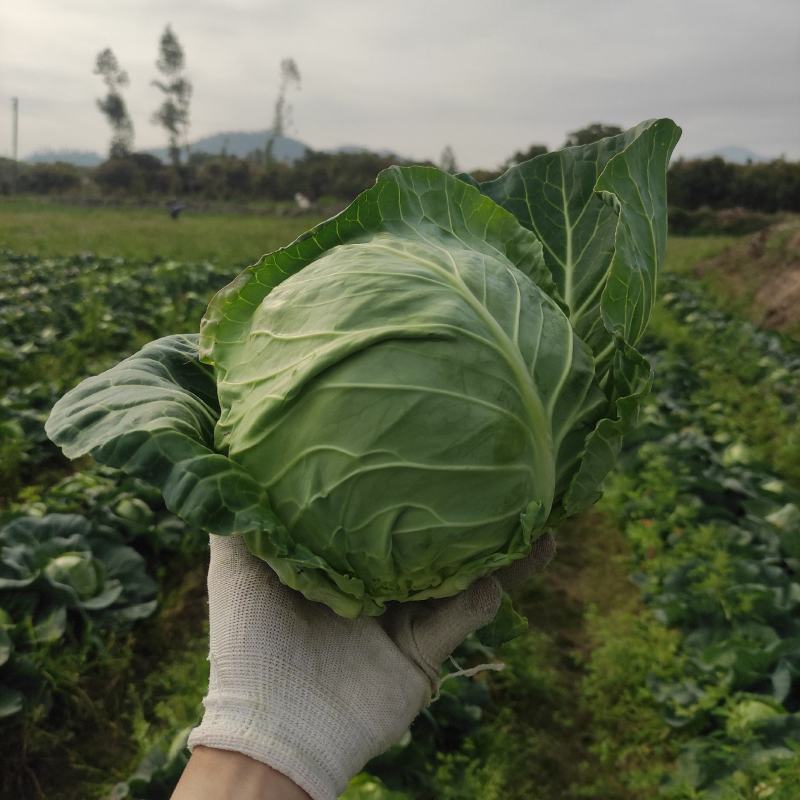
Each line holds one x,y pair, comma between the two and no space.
316,696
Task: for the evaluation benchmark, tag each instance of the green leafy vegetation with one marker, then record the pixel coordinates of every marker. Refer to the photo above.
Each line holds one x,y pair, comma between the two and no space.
749,378
86,557
347,354
52,567
81,651
714,532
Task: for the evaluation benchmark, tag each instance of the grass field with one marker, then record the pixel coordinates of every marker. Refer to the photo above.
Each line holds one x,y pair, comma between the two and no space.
45,229
603,699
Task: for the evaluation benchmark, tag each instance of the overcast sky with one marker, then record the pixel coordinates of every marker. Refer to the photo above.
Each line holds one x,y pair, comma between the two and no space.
487,78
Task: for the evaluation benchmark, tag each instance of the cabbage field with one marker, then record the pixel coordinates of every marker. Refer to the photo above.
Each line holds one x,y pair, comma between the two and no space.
663,651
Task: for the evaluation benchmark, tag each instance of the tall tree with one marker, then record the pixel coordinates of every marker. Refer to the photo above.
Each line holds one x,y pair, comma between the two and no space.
591,133
112,105
290,77
173,113
447,161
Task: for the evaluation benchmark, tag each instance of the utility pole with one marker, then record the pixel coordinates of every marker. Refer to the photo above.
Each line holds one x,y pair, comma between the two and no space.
14,139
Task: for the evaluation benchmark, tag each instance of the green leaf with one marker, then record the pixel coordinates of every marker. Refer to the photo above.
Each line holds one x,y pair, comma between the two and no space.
781,680
367,787
6,646
600,211
404,201
27,544
508,624
50,626
112,591
11,701
749,713
132,613
153,416
632,380
77,571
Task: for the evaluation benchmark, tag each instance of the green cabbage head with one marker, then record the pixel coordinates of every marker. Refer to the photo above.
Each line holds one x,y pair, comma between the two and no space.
407,396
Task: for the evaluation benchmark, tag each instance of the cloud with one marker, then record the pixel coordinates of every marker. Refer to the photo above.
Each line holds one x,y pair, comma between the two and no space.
485,78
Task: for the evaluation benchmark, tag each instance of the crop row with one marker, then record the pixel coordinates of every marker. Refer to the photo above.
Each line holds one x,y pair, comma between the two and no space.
72,556
716,541
85,555
80,560
62,319
92,308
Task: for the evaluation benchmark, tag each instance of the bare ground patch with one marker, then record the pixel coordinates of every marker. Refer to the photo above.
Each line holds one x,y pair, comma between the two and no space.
759,277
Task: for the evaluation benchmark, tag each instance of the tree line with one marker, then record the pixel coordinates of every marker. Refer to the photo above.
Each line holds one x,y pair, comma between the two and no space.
693,184
713,183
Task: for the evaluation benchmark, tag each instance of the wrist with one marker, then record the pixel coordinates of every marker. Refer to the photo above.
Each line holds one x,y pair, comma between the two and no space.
214,774
319,744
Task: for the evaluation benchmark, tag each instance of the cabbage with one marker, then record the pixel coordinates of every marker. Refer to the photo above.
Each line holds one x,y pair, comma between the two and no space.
407,396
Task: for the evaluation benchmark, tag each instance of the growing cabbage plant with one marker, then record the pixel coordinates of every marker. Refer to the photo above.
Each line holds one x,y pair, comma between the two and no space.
408,395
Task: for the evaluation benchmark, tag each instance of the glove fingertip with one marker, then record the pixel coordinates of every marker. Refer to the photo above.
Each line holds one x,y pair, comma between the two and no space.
453,619
482,601
514,575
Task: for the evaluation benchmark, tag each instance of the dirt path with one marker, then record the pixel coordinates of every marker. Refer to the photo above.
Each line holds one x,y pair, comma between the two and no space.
554,720
759,277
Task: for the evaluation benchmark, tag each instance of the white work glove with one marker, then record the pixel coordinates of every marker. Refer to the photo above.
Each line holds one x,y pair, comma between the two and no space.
316,696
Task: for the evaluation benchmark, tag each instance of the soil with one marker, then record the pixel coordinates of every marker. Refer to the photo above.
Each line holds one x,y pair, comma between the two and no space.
760,277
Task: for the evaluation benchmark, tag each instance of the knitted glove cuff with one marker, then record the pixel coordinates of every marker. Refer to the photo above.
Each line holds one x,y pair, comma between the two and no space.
232,723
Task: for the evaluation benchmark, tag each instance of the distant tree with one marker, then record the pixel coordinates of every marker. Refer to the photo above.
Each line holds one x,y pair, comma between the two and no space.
483,175
770,186
276,181
112,105
591,133
717,184
702,182
173,113
136,174
525,155
336,175
447,161
281,118
47,178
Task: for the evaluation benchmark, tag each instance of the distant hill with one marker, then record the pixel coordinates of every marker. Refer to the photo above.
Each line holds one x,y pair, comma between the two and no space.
734,154
241,144
234,143
80,158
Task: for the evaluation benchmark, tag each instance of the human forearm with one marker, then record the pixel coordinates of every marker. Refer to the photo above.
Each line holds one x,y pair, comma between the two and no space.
213,774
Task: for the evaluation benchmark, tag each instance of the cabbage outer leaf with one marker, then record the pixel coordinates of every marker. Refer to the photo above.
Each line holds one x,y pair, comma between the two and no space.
153,416
600,211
